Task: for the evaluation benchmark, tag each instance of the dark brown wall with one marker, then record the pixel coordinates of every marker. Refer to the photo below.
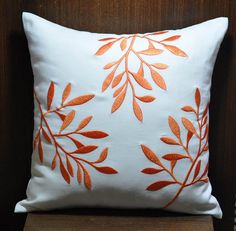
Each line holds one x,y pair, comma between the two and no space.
116,16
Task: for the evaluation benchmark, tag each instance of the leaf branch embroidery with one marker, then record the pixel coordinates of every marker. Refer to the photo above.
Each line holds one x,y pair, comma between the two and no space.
68,159
155,47
194,173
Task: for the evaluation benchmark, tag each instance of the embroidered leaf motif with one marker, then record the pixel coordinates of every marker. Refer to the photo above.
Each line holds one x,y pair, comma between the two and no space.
106,170
109,65
150,155
175,50
151,51
157,78
137,111
86,149
174,156
50,95
62,116
169,140
197,169
106,39
146,98
104,48
159,185
197,97
66,92
67,121
117,80
77,143
172,38
64,173
118,91
46,136
188,125
142,81
152,170
102,156
79,100
123,44
108,81
84,123
40,150
161,66
118,101
94,134
188,109
87,179
174,126
79,174
69,167
54,162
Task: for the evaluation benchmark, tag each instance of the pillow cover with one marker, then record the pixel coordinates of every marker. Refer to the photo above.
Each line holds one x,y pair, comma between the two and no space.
121,120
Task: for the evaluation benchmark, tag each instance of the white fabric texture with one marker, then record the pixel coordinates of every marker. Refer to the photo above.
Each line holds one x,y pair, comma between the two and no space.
121,120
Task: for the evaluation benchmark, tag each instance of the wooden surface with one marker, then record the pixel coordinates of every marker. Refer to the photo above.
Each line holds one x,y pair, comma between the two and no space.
71,222
116,16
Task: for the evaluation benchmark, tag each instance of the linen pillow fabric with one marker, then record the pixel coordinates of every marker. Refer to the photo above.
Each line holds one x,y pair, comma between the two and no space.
121,120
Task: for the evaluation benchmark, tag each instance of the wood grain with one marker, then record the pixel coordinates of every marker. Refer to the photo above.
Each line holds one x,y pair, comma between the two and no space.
115,16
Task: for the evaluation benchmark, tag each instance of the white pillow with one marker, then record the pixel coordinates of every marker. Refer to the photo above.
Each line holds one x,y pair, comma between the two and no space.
121,120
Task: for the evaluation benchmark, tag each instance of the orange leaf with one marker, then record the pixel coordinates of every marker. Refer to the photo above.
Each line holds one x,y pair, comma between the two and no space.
117,80
87,179
104,48
80,100
118,91
46,136
77,143
160,65
175,50
169,140
84,123
205,111
36,139
79,174
189,136
62,116
123,44
146,98
106,39
188,125
172,38
188,109
107,81
172,164
119,100
50,95
68,119
159,32
86,149
159,185
151,51
205,170
141,81
69,167
197,97
140,70
137,111
40,150
150,155
109,65
54,162
174,156
94,134
102,156
197,169
106,170
64,173
157,78
152,170
174,126
66,92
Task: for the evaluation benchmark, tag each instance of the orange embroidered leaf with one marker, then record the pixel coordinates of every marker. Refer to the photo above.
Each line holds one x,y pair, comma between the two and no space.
172,164
150,45
151,51
159,185
189,136
46,136
152,170
188,125
205,111
197,97
79,174
106,39
157,78
141,81
87,179
68,119
118,91
109,65
94,134
174,156
117,80
188,109
158,32
54,162
79,100
102,156
66,92
205,170
206,148
146,98
137,111
36,139
64,173
175,50
69,167
140,70
106,170
86,149
172,38
62,116
84,123
107,81
174,126
204,121
197,169
123,44
50,95
119,100
169,140
77,143
40,150
150,155
205,180
104,48
160,66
